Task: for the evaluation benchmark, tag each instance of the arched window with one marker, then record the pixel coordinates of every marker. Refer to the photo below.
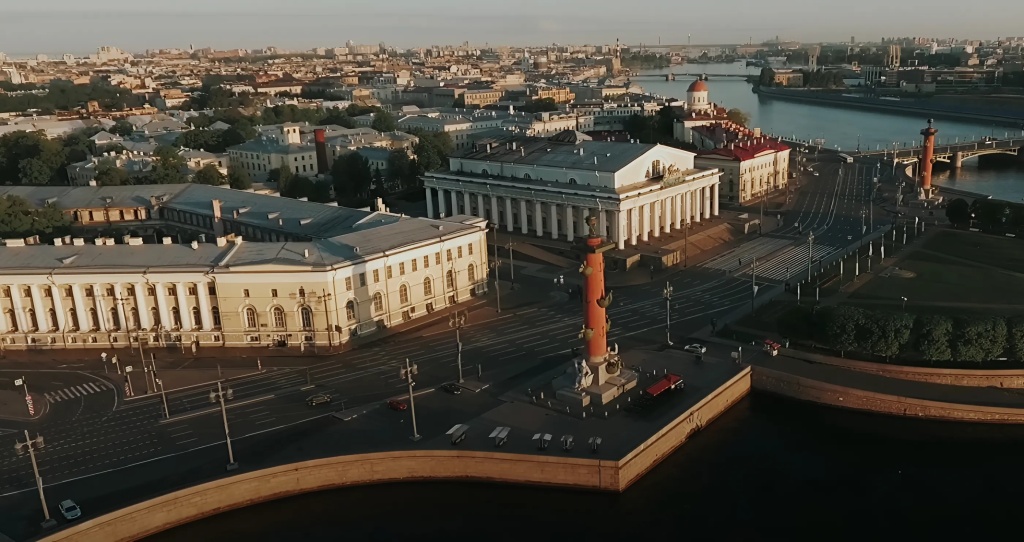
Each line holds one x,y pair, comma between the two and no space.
216,316
656,168
135,318
52,317
115,320
176,317
302,292
471,273
350,311
572,180
428,287
32,320
72,319
306,316
12,320
378,303
527,176
277,315
251,321
94,319
197,318
450,279
154,316
483,172
403,294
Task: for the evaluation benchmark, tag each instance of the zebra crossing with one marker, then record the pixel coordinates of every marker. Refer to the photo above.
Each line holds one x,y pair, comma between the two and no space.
791,263
76,391
746,252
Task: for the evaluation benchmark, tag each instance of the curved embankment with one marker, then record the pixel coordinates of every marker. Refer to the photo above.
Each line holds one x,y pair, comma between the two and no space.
806,389
556,469
1009,378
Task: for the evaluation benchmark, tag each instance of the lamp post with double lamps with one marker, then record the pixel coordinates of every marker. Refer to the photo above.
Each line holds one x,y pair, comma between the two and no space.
667,293
33,444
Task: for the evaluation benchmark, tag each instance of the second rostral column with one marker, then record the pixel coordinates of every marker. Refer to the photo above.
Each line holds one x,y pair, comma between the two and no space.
595,302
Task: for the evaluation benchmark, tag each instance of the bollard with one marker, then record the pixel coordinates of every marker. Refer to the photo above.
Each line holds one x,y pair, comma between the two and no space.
606,414
584,413
541,395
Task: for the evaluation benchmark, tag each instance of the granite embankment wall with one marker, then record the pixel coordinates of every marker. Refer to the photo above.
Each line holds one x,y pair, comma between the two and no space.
1011,378
805,389
193,503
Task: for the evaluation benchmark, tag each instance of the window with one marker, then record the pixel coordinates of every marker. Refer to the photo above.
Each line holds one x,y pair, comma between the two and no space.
150,291
376,276
172,291
251,321
6,292
471,273
26,292
176,317
197,318
154,316
94,319
350,311
47,292
277,314
88,291
302,292
387,272
131,291
448,255
573,181
12,321
403,294
135,318
216,316
401,269
450,279
52,317
428,287
469,247
306,316
378,303
414,265
362,280
245,292
212,290
437,258
273,292
348,284
192,290
426,262
68,292
115,319
459,252
31,313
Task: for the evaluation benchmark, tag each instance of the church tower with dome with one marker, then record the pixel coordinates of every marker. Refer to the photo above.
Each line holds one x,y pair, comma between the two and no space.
697,96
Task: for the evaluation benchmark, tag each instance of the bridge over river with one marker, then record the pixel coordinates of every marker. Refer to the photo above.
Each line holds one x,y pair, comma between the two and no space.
674,76
955,153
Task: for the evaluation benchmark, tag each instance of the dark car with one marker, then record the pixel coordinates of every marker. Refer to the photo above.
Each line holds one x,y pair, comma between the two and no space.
318,399
395,404
452,388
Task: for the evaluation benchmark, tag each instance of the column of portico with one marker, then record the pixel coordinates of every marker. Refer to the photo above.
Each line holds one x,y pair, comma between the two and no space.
19,309
618,230
508,213
698,203
142,306
602,224
205,312
714,203
677,209
441,209
40,309
645,222
570,223
666,216
538,219
430,202
553,218
81,311
656,214
101,311
584,226
58,307
524,224
481,211
161,304
465,203
634,224
183,309
494,212
118,295
455,202
707,202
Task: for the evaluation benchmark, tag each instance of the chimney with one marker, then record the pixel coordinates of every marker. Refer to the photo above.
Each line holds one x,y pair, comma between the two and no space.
218,225
165,240
78,241
320,137
305,253
58,242
221,241
195,245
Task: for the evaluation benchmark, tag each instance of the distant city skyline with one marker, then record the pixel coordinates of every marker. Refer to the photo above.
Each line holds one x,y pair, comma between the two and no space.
66,26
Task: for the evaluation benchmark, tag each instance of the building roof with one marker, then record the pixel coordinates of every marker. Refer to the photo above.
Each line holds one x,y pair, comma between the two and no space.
596,155
94,197
270,146
697,86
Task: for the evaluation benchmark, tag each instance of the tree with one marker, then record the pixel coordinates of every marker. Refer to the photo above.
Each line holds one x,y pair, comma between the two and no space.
978,339
958,211
842,326
1015,337
108,174
886,334
122,128
30,157
34,171
18,219
239,179
207,140
738,116
933,337
283,176
352,176
399,169
299,187
383,122
459,102
378,182
209,174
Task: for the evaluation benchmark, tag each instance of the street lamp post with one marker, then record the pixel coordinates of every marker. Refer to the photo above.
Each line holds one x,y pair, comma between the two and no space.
496,264
810,254
163,394
686,242
667,294
232,464
326,297
511,265
407,373
33,445
904,300
753,285
456,321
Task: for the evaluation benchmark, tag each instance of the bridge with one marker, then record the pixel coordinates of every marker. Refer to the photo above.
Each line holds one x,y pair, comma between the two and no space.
684,76
954,153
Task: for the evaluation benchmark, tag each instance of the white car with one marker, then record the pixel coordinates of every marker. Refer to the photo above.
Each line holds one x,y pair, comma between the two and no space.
816,173
695,348
70,510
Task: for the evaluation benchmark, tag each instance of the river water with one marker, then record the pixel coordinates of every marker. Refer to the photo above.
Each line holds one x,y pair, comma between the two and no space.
846,128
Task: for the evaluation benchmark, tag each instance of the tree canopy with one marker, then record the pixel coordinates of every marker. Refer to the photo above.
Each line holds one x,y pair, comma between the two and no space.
384,122
209,174
738,116
18,219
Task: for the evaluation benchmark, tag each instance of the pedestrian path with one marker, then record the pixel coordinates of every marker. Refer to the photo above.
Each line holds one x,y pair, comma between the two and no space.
79,390
792,262
745,253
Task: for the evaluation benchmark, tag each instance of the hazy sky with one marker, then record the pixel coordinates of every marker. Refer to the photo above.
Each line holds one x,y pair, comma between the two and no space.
55,26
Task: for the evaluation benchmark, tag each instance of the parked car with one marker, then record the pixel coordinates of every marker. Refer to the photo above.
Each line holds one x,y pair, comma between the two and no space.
395,404
318,399
695,348
452,388
70,510
816,174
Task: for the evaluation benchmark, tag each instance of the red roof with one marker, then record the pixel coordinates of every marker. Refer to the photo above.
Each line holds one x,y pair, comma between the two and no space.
738,142
697,86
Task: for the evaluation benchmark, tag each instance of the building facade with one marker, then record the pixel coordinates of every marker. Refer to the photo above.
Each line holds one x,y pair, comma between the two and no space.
548,187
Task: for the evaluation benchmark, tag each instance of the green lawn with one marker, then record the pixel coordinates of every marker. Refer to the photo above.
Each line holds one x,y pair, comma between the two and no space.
1003,252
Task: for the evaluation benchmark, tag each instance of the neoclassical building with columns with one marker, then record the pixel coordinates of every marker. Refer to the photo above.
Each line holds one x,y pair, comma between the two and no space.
548,186
318,275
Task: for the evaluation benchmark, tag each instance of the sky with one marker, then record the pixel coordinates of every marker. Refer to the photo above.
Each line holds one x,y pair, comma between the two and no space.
74,26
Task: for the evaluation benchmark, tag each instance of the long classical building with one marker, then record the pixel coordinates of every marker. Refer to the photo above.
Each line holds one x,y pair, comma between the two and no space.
548,186
192,264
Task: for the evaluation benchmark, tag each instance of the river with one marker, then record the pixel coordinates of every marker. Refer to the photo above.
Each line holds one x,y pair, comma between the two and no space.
767,469
846,128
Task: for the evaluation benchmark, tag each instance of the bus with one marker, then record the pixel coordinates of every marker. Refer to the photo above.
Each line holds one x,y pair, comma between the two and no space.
846,158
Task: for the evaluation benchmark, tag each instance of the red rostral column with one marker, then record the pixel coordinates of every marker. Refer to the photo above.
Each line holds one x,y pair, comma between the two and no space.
595,300
320,138
927,154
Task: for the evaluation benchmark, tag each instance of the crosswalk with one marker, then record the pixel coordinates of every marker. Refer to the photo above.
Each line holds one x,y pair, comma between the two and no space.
791,263
80,390
746,252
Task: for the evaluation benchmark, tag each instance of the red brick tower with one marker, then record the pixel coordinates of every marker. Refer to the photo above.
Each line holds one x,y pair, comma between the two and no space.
927,158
